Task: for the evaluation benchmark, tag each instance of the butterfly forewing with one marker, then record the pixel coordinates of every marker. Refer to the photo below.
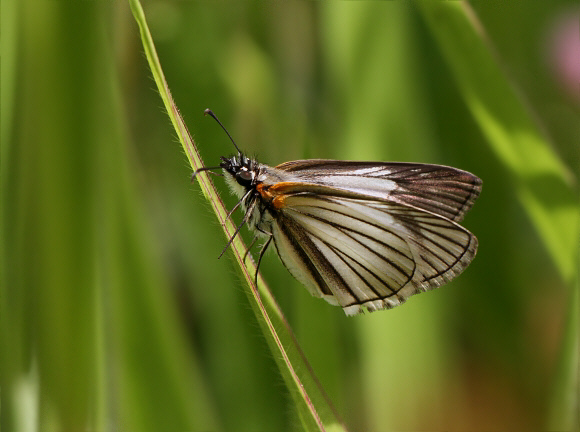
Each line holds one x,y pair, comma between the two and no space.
446,191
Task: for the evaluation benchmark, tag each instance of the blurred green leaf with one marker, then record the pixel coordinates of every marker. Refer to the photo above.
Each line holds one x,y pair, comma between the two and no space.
74,270
48,233
564,412
545,186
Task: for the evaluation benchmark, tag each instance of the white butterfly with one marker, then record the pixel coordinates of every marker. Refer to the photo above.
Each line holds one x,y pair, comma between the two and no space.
358,234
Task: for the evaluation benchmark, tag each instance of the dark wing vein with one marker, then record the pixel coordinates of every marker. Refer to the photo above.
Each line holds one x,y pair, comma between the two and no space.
350,232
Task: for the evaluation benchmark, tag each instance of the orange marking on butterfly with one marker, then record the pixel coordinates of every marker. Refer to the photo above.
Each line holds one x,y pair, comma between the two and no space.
284,187
275,194
278,202
264,191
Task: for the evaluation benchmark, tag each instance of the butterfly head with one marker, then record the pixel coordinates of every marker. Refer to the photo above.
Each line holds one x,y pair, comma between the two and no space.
241,169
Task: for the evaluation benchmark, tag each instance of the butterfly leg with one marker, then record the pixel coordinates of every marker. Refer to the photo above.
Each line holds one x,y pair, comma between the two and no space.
246,218
262,251
248,249
236,206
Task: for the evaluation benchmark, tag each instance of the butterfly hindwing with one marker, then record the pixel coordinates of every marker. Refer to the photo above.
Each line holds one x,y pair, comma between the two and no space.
370,253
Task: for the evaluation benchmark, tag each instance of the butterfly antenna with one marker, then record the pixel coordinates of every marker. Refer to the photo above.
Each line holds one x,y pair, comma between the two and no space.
197,171
210,112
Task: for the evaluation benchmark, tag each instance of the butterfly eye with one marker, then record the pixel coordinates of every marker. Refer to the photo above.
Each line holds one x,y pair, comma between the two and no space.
244,176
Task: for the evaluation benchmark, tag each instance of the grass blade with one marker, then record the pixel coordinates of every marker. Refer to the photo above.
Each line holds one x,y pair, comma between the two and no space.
310,401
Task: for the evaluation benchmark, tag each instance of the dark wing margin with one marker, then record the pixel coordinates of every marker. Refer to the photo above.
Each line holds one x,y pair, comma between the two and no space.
369,255
448,192
443,190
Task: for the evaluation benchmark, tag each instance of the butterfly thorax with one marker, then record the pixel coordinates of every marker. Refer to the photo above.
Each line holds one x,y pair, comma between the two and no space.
243,177
241,173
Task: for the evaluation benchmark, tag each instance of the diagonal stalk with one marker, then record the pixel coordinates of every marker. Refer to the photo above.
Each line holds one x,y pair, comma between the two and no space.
314,407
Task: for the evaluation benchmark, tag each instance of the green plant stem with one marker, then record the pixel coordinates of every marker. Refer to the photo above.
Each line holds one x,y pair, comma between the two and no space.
311,402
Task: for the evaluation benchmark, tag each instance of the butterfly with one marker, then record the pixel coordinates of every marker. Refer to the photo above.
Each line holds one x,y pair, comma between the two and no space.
364,236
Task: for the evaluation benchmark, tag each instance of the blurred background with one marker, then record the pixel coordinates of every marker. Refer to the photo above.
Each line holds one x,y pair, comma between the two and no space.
116,313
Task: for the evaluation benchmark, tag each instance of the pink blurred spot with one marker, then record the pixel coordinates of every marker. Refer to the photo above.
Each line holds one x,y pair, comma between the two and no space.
565,51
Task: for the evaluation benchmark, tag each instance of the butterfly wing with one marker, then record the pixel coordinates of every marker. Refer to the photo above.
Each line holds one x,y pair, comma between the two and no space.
367,253
445,191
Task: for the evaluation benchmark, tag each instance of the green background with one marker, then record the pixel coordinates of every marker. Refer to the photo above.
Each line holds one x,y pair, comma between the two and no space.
116,313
